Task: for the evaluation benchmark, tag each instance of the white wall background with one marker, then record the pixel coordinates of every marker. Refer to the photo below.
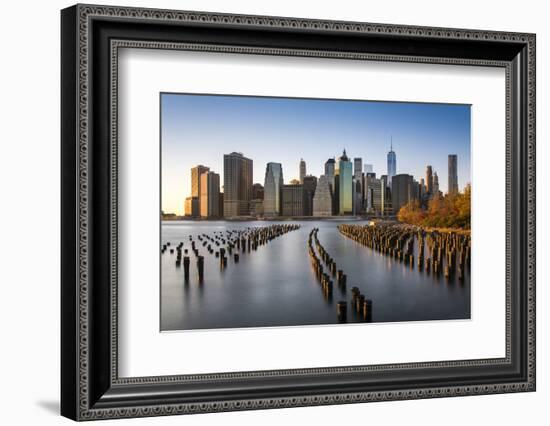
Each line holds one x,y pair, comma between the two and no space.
29,185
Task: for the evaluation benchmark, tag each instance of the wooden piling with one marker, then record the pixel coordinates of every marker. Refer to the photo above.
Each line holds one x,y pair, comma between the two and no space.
342,311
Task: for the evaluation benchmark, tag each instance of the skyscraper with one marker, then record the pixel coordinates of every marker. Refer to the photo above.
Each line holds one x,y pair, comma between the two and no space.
385,202
330,171
273,185
392,163
429,181
422,188
293,197
192,206
357,168
345,183
322,199
404,189
302,170
453,174
237,182
210,195
310,185
368,168
374,193
196,173
358,185
436,184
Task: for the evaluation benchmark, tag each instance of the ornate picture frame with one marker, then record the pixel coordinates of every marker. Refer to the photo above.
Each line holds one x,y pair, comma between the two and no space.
90,38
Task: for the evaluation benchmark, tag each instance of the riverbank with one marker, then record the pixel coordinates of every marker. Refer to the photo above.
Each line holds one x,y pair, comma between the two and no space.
271,219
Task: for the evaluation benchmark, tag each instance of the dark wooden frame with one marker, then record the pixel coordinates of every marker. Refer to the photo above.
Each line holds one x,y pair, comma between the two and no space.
90,386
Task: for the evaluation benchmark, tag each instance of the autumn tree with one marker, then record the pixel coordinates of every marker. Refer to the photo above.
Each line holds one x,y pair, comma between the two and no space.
450,211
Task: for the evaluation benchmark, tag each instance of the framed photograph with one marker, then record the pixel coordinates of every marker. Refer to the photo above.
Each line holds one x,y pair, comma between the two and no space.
263,212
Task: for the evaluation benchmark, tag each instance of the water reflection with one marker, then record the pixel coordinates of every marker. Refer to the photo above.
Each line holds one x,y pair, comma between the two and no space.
276,285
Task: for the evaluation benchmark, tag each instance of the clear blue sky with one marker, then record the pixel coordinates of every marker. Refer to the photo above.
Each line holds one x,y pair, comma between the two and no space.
199,129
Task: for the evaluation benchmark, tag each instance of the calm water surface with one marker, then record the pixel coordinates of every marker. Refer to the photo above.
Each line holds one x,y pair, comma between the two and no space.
276,285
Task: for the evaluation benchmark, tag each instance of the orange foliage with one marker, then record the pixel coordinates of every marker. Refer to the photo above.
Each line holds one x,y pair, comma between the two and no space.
450,211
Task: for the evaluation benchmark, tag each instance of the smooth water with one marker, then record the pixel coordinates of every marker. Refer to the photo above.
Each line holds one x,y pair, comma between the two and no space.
276,285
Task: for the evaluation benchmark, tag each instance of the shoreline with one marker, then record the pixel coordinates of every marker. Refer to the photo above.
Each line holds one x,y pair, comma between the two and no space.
315,219
275,219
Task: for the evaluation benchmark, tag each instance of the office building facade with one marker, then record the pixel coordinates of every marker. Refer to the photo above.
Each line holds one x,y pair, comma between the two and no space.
273,186
293,200
322,199
403,191
237,182
302,170
392,164
345,185
210,195
453,174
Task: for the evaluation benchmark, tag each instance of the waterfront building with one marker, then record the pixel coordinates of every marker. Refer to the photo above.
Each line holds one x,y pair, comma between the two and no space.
209,203
257,207
336,195
196,173
293,200
344,172
322,199
273,185
310,185
220,204
403,191
192,207
237,182
302,170
453,174
392,163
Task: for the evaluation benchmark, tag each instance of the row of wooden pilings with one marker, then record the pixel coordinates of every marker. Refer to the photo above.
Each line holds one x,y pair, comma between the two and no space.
317,262
359,304
232,243
449,251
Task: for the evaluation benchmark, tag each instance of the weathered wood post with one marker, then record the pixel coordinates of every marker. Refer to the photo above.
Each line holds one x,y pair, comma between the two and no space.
186,268
342,311
200,267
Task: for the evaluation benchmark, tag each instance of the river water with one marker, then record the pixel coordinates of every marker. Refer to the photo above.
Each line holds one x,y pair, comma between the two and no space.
276,285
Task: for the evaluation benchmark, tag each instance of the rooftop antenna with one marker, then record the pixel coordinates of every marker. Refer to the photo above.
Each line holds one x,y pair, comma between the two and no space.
391,142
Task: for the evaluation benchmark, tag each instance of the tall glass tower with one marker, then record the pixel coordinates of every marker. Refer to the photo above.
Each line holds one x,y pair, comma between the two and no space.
345,183
452,174
392,163
273,186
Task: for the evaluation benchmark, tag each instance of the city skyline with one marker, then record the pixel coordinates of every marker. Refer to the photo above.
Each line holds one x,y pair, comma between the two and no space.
285,130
